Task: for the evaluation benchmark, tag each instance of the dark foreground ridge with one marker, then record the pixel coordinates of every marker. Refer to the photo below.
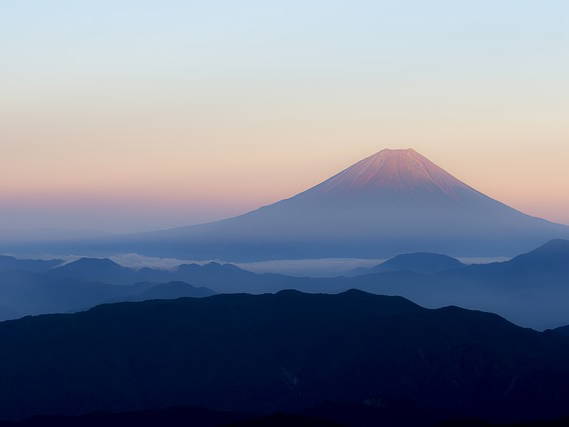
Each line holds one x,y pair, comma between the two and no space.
176,417
281,352
328,415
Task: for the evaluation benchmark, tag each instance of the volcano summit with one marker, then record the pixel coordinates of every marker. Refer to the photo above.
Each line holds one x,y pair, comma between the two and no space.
392,202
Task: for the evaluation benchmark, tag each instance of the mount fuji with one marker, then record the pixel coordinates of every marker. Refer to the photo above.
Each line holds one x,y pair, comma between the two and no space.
395,201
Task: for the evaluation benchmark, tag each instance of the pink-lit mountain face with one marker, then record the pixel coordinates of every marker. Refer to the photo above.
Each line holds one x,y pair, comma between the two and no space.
396,184
393,171
392,202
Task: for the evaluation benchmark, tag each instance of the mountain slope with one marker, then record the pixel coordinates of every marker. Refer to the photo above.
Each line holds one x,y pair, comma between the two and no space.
172,290
277,352
395,201
8,263
564,330
24,293
549,262
531,289
95,269
422,262
220,276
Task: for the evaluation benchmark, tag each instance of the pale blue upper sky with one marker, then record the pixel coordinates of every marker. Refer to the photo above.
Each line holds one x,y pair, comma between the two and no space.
188,41
115,101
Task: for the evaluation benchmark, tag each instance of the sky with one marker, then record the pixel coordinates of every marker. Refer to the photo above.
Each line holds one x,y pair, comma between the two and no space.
121,116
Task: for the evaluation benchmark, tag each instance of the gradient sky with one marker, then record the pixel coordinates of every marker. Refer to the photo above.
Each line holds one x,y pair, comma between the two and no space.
134,115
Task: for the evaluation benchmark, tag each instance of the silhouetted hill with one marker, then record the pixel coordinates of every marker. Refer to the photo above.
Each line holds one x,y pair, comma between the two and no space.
107,271
561,422
328,415
172,290
29,293
222,278
421,262
552,256
286,420
285,351
95,270
168,417
531,289
175,417
219,277
8,263
564,330
549,261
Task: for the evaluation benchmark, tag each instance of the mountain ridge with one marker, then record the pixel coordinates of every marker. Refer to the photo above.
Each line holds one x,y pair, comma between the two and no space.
524,289
381,206
279,352
392,167
418,262
393,202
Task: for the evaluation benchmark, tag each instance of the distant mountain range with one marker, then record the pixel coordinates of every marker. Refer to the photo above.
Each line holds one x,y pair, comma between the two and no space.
8,263
281,352
107,271
396,201
171,290
531,289
422,262
24,293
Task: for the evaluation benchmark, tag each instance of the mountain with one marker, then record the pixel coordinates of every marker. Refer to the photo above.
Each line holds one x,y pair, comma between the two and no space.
421,262
327,415
104,270
221,278
31,293
284,351
95,269
167,417
172,290
393,202
550,258
8,263
23,293
564,330
180,417
549,263
530,290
